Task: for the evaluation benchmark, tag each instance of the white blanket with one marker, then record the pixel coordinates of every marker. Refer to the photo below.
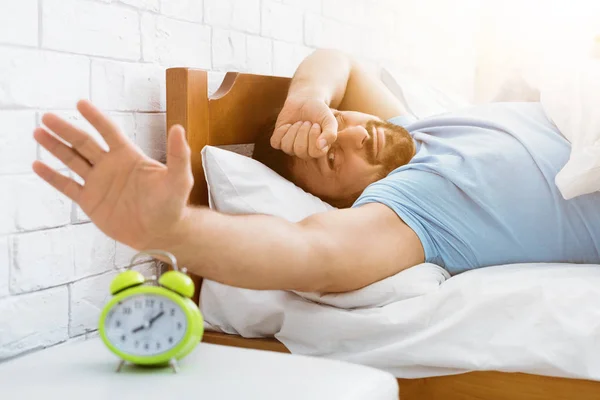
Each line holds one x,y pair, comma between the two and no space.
535,318
570,96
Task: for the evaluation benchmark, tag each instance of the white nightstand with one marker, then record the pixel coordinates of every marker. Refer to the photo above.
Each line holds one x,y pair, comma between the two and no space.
86,370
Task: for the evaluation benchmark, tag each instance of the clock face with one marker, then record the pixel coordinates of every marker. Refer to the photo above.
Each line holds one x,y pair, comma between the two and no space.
145,325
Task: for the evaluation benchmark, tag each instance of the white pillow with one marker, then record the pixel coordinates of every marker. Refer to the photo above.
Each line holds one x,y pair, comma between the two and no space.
240,185
420,99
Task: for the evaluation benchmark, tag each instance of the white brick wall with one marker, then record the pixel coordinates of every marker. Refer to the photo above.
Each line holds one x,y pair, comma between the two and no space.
189,10
33,320
125,86
149,134
42,79
93,251
229,50
4,250
41,259
18,22
241,15
282,22
17,147
87,27
164,38
7,206
38,206
55,267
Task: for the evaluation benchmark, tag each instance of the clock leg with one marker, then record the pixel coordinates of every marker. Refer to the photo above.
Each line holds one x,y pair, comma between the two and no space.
121,363
174,366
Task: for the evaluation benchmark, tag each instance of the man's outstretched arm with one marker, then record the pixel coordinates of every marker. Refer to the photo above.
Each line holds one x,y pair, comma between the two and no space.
336,251
142,203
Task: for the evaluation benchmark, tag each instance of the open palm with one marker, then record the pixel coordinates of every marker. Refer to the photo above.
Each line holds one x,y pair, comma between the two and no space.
130,197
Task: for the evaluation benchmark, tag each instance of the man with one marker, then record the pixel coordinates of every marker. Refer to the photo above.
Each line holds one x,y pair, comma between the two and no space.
463,191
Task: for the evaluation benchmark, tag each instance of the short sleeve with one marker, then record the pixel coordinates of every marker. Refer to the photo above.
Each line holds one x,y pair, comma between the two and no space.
403,120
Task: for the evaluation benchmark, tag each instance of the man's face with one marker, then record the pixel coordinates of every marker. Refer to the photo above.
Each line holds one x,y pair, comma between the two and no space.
366,150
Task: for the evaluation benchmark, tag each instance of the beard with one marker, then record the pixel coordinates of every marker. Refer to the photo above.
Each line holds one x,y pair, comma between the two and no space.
399,147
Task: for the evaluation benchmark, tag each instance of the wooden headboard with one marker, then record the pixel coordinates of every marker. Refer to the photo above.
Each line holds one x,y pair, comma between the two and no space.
235,114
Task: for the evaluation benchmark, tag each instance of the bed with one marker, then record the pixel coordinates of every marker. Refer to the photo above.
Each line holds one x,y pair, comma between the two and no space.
233,115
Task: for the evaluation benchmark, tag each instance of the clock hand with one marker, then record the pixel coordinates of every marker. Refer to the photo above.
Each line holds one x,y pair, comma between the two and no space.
157,316
139,328
148,324
145,325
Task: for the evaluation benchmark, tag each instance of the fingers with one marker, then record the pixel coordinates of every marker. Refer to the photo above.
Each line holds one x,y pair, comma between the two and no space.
329,133
79,139
109,131
64,153
313,135
301,143
278,135
63,184
179,155
287,143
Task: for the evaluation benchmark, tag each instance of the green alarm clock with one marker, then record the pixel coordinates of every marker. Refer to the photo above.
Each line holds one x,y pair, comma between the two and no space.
150,322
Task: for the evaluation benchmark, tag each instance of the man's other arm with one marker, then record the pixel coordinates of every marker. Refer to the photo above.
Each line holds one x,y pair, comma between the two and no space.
341,81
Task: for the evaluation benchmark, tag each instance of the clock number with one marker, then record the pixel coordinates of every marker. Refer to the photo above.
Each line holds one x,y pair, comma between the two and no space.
123,337
172,312
179,325
157,345
138,304
118,324
170,339
126,310
137,343
161,305
146,346
149,303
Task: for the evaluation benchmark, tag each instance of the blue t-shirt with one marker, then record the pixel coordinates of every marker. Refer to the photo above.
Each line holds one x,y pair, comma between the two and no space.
480,190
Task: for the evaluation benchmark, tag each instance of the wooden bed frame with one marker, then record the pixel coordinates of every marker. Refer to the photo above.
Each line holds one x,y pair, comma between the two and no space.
234,115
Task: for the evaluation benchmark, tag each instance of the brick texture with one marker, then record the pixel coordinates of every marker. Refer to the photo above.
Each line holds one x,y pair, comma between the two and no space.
241,15
280,21
19,22
7,206
127,86
151,134
60,79
287,57
17,147
4,250
94,252
38,205
229,50
81,27
88,296
33,320
189,10
41,259
171,42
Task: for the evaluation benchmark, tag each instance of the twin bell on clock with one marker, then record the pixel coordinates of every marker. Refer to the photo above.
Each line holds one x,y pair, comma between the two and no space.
150,322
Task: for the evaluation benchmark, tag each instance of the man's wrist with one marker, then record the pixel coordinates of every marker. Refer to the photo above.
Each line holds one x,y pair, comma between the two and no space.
306,91
173,239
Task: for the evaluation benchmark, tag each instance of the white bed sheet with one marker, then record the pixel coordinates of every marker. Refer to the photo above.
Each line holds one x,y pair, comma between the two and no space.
535,318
